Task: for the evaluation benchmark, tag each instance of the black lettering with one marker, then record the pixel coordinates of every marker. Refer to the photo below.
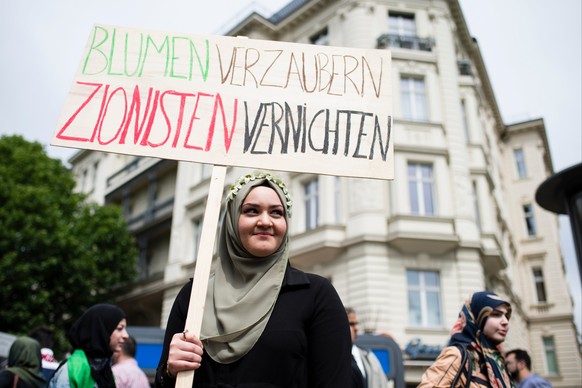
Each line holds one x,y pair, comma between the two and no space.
378,133
275,128
325,144
299,130
361,134
249,135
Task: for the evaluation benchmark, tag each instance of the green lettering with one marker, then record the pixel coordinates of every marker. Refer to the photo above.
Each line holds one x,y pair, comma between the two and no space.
95,44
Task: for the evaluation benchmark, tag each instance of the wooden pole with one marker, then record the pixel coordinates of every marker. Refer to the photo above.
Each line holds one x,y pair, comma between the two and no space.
203,264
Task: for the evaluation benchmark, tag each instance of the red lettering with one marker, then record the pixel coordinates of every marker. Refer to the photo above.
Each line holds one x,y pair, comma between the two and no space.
116,115
60,134
144,140
194,117
99,117
227,134
166,118
180,114
100,131
136,107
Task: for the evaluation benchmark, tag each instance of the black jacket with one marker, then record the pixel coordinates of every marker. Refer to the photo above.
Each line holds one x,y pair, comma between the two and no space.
306,343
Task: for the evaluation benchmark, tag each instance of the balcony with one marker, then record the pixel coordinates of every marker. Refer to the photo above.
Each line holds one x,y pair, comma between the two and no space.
138,166
492,255
415,234
318,246
155,213
405,42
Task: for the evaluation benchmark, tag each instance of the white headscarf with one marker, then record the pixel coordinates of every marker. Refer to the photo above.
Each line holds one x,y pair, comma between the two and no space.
243,289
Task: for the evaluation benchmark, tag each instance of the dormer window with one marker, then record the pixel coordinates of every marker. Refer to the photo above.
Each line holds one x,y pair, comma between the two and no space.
321,38
402,34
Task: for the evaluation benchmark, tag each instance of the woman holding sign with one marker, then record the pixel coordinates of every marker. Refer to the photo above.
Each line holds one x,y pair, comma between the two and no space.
265,323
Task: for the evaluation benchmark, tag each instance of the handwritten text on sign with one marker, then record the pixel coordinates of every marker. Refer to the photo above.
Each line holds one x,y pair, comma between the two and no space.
232,101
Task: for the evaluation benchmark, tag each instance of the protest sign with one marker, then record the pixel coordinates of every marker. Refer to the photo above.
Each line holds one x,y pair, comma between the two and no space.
232,102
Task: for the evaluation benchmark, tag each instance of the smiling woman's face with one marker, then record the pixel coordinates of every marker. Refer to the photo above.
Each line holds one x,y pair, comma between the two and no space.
261,224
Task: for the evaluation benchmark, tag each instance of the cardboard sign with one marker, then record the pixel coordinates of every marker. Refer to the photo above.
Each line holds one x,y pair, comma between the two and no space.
232,102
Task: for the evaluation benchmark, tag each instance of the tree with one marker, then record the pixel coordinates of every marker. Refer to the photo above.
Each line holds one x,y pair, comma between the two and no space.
58,253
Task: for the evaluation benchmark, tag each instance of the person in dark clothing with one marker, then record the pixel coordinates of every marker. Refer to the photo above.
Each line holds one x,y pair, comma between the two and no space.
265,323
95,336
518,363
367,371
46,337
24,362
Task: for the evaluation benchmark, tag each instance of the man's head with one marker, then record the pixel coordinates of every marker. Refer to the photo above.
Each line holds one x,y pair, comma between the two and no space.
44,335
518,364
128,350
354,323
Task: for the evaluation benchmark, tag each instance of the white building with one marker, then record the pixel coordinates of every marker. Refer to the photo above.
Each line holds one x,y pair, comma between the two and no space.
460,215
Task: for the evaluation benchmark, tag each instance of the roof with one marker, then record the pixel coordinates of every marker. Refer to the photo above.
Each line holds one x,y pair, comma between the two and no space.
287,10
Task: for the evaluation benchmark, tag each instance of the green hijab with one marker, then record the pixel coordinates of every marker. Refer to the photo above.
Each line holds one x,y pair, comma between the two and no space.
24,360
242,289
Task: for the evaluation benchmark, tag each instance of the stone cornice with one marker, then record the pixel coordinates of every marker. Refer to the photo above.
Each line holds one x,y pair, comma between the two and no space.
475,53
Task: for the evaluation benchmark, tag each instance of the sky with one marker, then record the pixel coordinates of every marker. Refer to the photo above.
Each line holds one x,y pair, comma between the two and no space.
531,48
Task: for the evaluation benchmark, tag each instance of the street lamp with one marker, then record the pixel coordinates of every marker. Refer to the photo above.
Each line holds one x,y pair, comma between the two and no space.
562,193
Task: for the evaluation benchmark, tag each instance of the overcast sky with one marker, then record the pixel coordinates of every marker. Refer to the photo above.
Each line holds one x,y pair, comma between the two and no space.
532,50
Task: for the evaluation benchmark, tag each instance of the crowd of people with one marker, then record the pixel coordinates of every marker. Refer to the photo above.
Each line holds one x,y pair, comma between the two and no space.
102,355
265,324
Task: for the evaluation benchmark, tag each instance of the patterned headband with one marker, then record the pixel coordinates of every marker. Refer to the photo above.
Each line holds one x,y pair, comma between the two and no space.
238,184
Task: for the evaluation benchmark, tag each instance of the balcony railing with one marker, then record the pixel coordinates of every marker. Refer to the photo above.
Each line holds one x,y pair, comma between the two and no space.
153,213
125,170
405,42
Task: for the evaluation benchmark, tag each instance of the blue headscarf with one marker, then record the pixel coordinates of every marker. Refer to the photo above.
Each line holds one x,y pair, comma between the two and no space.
468,332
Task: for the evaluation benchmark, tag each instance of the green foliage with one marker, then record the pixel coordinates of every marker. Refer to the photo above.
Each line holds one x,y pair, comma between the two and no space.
58,253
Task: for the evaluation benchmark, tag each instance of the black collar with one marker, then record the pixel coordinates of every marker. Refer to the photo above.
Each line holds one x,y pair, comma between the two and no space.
294,277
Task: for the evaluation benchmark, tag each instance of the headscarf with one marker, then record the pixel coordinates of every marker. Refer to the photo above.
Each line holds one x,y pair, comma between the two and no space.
24,361
468,332
91,333
243,289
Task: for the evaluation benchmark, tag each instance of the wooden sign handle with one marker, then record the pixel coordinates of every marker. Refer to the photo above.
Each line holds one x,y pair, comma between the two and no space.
203,263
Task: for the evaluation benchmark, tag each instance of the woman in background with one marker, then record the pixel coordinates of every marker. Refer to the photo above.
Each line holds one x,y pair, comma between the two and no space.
481,327
95,336
24,365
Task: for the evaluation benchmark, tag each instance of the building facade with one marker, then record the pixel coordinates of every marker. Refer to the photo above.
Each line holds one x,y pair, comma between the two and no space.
460,215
